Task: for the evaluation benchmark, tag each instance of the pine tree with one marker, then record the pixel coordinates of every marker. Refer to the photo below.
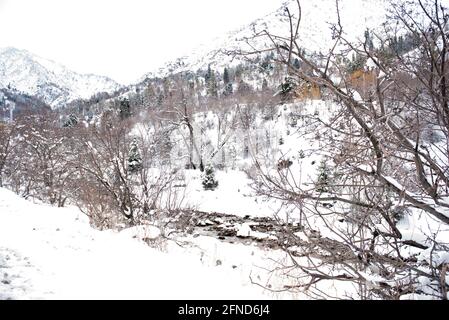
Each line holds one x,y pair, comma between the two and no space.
296,64
369,40
357,63
228,88
125,109
209,182
281,141
208,74
71,121
211,83
134,157
288,85
293,121
324,176
226,79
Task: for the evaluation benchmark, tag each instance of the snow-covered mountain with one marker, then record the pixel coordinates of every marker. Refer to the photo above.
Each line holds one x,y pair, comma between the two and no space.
51,82
315,32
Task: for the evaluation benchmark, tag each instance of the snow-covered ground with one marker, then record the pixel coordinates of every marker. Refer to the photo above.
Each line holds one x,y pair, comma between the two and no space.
53,253
48,252
232,196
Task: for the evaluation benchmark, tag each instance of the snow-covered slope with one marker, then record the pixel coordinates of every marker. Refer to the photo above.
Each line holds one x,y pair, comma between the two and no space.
53,83
53,253
315,32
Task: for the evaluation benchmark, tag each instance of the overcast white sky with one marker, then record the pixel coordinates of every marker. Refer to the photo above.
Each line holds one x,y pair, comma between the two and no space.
122,39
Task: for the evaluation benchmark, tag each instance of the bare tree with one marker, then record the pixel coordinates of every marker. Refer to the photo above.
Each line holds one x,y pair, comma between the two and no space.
388,153
111,191
39,167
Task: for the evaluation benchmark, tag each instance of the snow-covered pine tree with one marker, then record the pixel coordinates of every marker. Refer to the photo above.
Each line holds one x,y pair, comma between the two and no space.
209,181
288,85
71,121
369,44
296,64
124,108
281,141
134,157
324,175
226,79
211,83
228,88
293,121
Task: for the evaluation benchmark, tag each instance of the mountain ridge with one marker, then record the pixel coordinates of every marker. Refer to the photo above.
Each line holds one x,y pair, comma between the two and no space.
57,86
317,16
52,82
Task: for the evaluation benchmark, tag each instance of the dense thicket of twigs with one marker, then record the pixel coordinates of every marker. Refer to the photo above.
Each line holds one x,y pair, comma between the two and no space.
388,150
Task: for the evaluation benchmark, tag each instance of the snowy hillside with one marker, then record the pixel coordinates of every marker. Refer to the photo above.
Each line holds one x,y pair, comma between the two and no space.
51,253
51,82
315,32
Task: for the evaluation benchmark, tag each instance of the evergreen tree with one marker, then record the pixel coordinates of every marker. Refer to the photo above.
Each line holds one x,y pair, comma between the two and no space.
266,64
71,121
357,63
228,88
134,157
208,74
209,182
211,83
287,89
281,141
288,85
296,64
324,175
293,121
402,44
226,79
125,109
369,40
